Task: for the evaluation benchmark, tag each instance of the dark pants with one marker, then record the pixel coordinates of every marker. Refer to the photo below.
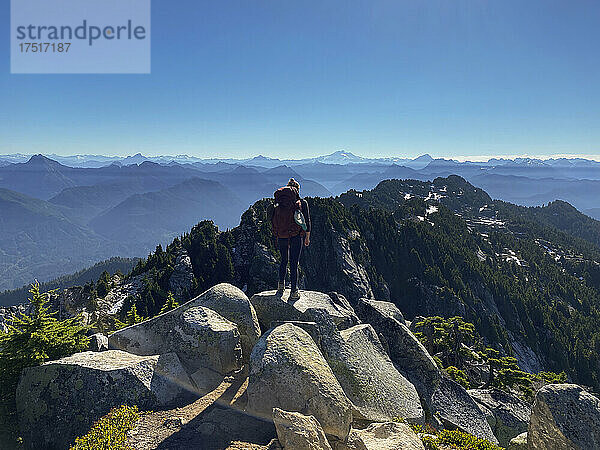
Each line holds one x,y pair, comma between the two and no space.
290,249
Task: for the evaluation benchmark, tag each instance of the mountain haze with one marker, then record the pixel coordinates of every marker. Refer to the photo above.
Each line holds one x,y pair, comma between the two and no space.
128,205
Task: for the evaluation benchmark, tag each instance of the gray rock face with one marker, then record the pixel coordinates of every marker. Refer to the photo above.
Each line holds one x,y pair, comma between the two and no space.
377,390
198,335
296,431
564,416
310,327
405,350
441,395
98,343
231,303
518,442
527,359
77,301
343,303
356,275
182,278
264,269
7,313
510,414
451,402
287,371
382,436
378,308
270,307
171,381
60,400
206,380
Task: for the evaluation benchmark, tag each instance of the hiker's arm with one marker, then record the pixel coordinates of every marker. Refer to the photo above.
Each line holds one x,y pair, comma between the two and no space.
306,213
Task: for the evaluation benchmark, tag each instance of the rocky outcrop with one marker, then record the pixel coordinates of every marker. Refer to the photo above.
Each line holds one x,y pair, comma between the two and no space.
312,373
7,313
456,409
263,272
344,305
231,303
374,309
405,350
446,399
60,400
377,390
200,337
310,327
518,442
337,259
296,431
509,414
182,278
564,416
271,307
98,343
113,301
287,371
355,274
77,301
171,381
256,265
382,436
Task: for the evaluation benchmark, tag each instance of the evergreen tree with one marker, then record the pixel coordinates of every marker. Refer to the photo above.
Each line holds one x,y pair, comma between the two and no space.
33,339
104,284
170,304
133,317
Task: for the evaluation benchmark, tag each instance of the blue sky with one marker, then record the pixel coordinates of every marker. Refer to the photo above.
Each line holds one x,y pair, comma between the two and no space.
297,79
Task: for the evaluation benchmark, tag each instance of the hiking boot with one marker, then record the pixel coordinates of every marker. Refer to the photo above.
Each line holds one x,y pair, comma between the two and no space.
295,295
280,288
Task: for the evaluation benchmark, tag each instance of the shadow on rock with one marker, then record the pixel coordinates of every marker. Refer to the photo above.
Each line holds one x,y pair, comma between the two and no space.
221,424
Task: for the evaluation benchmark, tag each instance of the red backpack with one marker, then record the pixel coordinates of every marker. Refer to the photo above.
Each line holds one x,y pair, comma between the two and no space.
286,203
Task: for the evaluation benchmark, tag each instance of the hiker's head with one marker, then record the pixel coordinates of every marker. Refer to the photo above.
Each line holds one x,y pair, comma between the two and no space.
293,183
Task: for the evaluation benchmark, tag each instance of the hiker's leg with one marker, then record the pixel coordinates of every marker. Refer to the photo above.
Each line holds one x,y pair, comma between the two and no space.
283,249
295,249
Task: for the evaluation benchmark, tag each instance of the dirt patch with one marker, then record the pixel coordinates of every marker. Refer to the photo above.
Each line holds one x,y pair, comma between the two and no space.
216,421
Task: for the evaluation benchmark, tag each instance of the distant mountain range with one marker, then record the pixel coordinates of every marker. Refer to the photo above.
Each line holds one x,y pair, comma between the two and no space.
59,214
95,161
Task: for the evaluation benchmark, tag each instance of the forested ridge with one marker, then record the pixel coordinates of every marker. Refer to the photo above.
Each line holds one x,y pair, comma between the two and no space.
111,265
522,276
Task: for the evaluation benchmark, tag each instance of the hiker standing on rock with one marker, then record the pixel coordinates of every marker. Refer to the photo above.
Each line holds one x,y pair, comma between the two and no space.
291,226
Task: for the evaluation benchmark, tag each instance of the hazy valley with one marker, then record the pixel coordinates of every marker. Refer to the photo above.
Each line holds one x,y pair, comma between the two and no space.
62,215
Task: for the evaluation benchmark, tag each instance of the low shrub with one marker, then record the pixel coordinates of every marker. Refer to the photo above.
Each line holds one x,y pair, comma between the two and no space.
458,375
464,441
110,431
